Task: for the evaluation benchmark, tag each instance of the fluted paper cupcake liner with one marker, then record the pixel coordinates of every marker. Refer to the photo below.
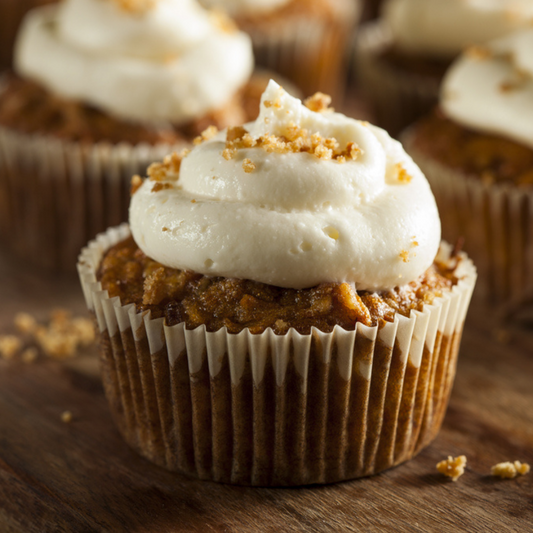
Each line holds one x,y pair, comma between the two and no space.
311,52
496,221
55,195
276,410
398,98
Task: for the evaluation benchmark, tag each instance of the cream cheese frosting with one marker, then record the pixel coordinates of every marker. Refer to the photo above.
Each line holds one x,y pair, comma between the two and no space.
170,61
443,28
238,8
293,219
490,88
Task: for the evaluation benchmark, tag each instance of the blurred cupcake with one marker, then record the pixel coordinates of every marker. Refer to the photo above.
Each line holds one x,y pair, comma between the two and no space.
477,153
277,315
100,86
11,14
304,40
402,57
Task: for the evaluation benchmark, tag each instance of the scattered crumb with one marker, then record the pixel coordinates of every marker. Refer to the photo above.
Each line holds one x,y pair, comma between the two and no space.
479,53
10,346
161,186
319,102
66,417
207,134
248,166
169,169
135,184
229,153
453,468
508,470
401,174
404,255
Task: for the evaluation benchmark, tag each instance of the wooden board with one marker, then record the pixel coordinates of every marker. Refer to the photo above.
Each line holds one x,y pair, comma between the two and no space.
81,477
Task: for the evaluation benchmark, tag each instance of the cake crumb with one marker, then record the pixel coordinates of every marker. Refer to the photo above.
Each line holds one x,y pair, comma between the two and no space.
451,467
161,186
508,470
135,184
401,174
319,102
404,255
66,417
25,323
229,153
10,346
206,135
169,168
248,166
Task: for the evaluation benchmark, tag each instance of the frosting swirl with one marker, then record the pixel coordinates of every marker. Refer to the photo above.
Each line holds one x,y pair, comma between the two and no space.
443,28
347,204
167,60
499,78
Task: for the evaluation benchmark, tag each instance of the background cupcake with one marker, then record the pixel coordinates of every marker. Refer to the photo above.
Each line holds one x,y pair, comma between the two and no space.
402,57
305,40
266,329
99,86
477,152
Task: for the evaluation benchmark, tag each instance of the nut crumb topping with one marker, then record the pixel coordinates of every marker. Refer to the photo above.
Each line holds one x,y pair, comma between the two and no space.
135,184
404,255
508,470
161,186
479,53
136,6
453,468
66,417
401,174
169,168
248,165
207,134
294,140
319,102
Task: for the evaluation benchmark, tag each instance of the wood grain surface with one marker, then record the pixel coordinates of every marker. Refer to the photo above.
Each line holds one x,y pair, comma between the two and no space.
81,477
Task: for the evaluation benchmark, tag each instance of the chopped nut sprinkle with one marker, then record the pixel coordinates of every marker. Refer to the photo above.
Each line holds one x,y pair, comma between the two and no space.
207,134
161,186
510,470
479,52
453,468
404,255
66,417
248,166
169,168
135,184
319,102
401,174
136,6
294,140
10,345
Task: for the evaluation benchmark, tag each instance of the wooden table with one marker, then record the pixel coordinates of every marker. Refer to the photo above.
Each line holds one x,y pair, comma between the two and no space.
81,477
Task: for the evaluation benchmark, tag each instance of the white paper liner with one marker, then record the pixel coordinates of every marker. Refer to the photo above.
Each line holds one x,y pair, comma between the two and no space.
311,52
398,98
276,410
55,195
496,221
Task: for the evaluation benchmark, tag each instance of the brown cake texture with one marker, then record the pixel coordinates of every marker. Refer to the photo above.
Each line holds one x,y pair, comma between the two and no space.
185,296
491,158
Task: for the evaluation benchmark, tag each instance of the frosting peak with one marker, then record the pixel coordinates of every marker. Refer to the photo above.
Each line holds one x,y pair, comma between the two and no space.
145,60
294,199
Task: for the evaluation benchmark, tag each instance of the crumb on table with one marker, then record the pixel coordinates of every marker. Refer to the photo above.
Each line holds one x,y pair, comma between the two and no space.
510,470
452,467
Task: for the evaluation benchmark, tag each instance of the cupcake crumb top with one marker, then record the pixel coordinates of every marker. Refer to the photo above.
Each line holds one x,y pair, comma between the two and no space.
453,468
510,470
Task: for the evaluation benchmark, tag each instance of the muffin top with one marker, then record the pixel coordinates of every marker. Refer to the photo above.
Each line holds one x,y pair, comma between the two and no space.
443,28
142,60
301,196
496,77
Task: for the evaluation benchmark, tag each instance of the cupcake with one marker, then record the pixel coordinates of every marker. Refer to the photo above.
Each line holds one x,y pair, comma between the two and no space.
278,311
103,88
477,152
304,40
402,57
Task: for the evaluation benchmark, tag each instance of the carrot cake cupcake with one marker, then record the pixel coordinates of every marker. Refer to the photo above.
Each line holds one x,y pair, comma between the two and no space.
403,56
477,152
99,85
278,311
305,40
